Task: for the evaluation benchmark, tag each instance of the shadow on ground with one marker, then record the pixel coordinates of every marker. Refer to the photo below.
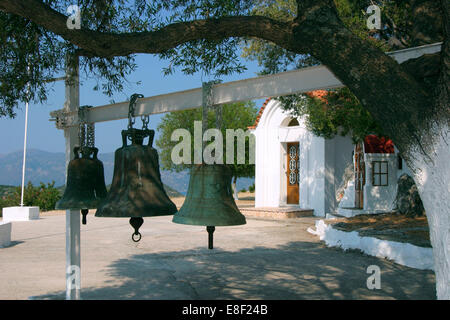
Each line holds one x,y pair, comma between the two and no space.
298,270
12,244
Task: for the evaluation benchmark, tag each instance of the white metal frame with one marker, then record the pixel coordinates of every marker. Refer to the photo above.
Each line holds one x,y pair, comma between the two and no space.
297,81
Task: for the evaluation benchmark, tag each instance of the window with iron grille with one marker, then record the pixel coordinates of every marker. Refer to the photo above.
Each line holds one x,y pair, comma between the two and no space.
380,173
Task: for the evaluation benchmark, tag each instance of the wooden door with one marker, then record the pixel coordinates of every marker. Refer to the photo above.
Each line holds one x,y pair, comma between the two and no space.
360,177
293,166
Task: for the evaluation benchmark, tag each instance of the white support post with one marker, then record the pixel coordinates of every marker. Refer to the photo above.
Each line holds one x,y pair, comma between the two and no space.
73,261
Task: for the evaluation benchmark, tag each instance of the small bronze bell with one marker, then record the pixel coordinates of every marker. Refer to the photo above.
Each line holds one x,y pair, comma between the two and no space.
136,190
85,182
209,200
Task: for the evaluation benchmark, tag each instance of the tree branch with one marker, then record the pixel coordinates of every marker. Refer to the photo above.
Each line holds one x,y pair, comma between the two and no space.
392,96
114,44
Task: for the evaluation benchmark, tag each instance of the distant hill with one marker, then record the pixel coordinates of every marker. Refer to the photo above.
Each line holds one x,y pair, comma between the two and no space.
43,166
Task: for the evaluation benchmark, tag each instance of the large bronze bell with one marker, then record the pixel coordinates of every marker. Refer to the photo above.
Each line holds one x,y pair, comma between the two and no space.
136,190
209,200
85,186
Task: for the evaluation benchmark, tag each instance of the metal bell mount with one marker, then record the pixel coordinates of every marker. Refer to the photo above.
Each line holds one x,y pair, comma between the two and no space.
209,200
136,190
85,185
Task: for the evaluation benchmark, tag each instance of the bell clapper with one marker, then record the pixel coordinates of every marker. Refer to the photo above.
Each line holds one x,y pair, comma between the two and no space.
139,236
84,212
136,223
210,230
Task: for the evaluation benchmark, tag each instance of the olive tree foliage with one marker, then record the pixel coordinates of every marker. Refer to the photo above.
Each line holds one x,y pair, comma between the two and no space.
234,116
395,33
31,54
339,112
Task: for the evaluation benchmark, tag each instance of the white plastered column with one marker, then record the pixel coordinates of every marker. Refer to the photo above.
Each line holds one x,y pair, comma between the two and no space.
73,250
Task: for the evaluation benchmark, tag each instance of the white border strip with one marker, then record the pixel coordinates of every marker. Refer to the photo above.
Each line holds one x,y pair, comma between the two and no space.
402,253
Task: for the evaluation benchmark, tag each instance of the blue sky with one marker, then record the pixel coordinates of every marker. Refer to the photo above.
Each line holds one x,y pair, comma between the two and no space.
42,134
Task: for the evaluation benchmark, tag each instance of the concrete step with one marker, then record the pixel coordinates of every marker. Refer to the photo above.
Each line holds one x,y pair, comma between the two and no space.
277,212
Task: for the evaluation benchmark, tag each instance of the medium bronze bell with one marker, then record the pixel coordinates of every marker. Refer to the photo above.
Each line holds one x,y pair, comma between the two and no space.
136,190
209,200
85,186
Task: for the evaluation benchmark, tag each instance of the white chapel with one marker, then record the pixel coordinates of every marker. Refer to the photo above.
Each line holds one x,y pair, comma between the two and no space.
295,168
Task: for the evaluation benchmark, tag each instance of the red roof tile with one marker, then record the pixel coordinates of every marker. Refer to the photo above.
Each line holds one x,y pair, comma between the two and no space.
258,117
320,94
316,93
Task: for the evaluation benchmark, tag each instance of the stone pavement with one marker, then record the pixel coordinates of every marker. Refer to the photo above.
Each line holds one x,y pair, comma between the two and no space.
265,259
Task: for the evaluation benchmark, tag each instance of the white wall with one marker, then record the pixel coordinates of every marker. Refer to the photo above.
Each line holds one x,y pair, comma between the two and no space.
380,197
306,182
317,175
338,155
376,198
267,157
348,201
405,168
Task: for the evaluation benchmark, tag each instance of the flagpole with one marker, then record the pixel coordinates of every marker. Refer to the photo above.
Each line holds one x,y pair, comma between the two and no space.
25,144
24,154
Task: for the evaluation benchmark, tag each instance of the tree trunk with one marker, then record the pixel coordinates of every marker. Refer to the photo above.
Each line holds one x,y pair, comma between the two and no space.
407,112
432,181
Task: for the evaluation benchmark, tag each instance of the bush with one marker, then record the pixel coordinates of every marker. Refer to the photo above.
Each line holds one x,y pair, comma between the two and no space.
43,196
251,188
243,190
408,200
47,197
6,202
